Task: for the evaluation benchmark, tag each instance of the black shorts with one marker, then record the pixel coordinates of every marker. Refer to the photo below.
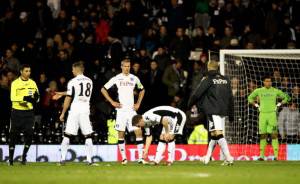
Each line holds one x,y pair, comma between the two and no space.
22,120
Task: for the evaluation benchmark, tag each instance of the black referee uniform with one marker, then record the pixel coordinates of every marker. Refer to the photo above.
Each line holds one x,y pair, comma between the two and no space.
24,94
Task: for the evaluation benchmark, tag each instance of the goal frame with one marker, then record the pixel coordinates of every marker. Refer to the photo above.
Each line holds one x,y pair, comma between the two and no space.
252,52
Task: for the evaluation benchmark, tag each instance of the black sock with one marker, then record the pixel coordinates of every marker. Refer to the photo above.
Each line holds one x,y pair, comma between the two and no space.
25,150
11,153
12,144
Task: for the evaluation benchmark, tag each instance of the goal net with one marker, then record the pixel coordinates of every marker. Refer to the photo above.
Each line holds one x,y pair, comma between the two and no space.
246,69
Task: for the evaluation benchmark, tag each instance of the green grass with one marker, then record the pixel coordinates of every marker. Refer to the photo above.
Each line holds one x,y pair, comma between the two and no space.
280,172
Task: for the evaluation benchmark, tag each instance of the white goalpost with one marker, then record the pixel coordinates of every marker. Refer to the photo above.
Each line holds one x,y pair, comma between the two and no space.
246,68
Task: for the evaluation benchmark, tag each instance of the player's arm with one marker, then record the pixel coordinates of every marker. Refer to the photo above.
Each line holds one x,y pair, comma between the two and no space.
66,105
141,89
285,97
106,95
139,101
252,98
147,146
58,95
109,99
199,92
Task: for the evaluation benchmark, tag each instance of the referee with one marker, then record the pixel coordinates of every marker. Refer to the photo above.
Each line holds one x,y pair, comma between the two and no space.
24,94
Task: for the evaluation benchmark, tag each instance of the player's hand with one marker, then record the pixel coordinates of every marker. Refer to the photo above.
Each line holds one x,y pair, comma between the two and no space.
145,154
62,117
116,104
257,106
136,106
167,137
278,106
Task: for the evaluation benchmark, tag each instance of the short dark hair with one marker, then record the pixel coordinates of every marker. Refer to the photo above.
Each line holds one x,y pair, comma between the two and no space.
23,66
267,77
136,119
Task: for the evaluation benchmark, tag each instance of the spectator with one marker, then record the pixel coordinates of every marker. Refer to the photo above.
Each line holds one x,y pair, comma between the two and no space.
180,46
174,78
162,57
12,63
289,123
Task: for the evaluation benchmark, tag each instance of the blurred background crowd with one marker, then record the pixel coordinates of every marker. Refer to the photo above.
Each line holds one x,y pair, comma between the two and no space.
167,41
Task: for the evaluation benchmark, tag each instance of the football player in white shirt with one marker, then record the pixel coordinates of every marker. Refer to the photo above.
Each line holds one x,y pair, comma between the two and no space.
125,106
80,91
173,121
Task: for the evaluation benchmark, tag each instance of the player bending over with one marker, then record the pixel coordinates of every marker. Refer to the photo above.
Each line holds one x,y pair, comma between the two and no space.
173,121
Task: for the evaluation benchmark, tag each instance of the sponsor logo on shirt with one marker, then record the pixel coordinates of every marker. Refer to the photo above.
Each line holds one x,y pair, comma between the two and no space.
219,81
126,83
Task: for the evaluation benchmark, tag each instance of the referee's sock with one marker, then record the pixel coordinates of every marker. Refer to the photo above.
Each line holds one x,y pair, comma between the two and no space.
12,139
25,151
11,153
161,147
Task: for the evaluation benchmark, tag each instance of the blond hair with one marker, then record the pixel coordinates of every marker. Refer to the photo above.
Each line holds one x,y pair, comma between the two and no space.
212,65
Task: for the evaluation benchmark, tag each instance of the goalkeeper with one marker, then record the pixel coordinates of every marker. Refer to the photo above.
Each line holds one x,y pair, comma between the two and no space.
265,99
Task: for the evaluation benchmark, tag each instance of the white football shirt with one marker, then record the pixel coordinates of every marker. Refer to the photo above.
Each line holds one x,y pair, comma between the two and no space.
80,89
153,116
125,85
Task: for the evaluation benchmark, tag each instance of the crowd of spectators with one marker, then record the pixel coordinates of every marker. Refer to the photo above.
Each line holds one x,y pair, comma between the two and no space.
157,35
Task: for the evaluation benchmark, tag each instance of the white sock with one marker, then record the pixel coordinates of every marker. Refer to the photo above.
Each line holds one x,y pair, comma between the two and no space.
211,145
121,145
140,145
159,151
223,144
171,151
64,148
89,149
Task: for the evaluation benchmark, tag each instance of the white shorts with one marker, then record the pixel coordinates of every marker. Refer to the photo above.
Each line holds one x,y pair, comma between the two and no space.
78,120
175,127
216,122
124,120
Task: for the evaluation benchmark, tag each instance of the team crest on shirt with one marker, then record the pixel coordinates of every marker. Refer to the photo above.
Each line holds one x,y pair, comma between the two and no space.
131,79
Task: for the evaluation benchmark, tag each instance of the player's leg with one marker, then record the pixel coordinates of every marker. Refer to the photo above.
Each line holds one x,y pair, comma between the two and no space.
171,150
219,122
161,147
140,144
87,131
213,141
72,126
138,137
262,125
28,123
121,127
272,129
177,129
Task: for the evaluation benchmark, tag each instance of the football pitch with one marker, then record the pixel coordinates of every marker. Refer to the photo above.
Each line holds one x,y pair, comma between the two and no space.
181,172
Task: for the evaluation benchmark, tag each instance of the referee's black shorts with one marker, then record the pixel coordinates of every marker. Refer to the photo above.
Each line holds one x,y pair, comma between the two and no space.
22,120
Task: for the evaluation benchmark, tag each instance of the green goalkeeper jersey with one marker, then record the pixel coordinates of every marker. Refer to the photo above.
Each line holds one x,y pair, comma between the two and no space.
267,98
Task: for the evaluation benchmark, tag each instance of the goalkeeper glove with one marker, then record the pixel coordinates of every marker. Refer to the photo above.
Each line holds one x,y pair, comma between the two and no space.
278,106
